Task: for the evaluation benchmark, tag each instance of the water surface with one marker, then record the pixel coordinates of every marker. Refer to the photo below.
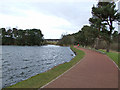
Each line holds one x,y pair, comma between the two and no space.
22,62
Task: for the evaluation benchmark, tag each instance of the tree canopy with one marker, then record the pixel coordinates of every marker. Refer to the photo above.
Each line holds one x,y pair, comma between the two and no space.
101,27
21,37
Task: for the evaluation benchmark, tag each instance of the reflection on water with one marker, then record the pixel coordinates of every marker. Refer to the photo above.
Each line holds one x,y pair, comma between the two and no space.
22,62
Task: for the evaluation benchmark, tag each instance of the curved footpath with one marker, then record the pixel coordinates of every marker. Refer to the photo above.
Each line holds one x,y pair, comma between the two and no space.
95,70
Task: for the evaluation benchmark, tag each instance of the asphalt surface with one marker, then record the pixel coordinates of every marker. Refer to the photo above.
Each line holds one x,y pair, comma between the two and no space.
95,70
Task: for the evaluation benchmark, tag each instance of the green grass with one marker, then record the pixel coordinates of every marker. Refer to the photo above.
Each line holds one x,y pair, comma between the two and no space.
43,78
112,55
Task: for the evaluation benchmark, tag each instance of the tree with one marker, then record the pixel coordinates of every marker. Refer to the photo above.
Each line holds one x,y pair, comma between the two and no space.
115,36
21,37
107,14
66,40
2,35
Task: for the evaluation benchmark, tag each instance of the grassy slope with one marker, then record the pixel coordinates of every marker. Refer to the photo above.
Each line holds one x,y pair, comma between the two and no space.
43,78
112,55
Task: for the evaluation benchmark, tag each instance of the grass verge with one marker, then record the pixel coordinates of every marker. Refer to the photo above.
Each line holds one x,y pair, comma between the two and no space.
115,56
112,55
43,78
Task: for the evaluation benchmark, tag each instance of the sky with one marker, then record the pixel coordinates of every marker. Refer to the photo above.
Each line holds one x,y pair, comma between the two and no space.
119,11
52,17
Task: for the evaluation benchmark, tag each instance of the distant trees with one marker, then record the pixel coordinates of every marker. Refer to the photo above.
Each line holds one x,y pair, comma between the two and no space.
100,33
67,40
21,37
85,37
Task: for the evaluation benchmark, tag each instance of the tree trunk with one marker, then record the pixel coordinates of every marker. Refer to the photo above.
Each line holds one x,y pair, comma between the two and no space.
108,47
97,46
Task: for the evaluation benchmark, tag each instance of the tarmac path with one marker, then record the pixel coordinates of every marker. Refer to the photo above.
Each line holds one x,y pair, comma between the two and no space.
95,70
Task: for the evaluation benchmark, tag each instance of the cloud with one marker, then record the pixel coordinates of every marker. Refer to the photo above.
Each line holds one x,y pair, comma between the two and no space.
53,17
48,1
48,24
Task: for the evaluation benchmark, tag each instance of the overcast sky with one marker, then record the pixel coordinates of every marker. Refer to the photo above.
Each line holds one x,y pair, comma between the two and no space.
53,17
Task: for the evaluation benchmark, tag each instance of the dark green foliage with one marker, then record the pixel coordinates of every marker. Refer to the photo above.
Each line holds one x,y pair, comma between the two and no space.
21,37
67,40
115,36
86,36
101,30
104,14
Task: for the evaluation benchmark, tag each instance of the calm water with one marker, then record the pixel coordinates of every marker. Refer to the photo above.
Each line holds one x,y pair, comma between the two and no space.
22,62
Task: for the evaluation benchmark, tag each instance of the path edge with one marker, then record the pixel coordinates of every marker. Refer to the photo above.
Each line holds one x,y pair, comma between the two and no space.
62,73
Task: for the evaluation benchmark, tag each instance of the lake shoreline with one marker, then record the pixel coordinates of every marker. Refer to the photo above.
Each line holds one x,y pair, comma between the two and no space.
43,78
32,62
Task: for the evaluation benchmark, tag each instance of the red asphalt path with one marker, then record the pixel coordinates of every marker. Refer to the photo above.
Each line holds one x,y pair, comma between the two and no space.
95,70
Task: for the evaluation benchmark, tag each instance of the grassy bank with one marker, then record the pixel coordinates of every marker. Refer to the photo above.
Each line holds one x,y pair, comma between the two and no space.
43,78
113,55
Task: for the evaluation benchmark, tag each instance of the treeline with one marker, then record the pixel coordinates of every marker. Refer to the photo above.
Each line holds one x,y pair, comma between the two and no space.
21,37
100,33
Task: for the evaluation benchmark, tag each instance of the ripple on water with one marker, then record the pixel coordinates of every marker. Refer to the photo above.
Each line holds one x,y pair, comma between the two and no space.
24,67
2,59
22,73
29,70
25,59
23,62
5,62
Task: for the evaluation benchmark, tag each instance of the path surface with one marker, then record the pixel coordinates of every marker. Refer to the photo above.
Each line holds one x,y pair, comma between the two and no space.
95,70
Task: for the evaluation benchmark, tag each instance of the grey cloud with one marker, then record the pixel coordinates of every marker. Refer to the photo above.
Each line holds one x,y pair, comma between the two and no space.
12,8
76,13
